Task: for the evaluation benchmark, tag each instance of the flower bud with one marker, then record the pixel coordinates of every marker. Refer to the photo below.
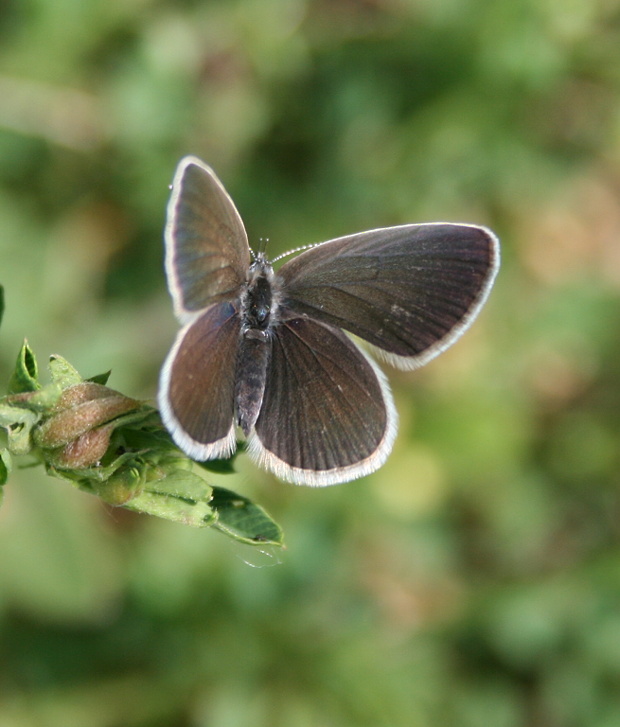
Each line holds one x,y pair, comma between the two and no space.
84,451
77,424
125,484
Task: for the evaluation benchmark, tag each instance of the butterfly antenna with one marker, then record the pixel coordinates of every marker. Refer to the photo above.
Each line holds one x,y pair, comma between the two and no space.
260,250
296,250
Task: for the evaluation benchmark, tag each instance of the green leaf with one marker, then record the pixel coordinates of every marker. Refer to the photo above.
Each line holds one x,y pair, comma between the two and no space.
181,496
25,376
223,466
5,466
42,401
243,520
90,478
18,423
100,378
150,435
123,486
62,373
219,466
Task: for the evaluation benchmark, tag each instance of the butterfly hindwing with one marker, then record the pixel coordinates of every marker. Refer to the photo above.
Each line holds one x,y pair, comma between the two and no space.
327,414
197,384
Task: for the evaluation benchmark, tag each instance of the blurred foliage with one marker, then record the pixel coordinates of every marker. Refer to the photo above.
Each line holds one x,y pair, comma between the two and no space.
472,581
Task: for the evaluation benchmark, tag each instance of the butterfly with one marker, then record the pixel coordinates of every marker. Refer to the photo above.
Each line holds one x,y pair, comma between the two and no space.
269,351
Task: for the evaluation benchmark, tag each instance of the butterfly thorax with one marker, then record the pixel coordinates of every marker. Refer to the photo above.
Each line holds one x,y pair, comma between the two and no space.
258,314
258,302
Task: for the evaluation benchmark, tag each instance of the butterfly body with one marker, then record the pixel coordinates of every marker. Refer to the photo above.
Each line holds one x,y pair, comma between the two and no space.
258,313
267,350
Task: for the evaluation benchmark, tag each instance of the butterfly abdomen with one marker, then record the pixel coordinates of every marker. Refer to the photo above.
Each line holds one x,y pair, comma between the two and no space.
252,362
257,306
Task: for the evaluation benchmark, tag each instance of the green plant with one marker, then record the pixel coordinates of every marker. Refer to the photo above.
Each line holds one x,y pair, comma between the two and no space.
116,448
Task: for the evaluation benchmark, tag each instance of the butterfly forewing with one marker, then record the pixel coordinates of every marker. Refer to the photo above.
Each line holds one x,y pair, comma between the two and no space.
410,290
327,413
197,387
207,253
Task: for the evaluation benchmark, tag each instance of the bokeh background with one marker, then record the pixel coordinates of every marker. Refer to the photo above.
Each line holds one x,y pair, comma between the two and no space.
474,581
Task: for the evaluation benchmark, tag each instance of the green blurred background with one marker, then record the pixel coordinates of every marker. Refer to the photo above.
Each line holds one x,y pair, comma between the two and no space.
474,581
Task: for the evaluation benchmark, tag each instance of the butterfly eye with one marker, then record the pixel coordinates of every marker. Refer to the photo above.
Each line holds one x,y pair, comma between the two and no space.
260,312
